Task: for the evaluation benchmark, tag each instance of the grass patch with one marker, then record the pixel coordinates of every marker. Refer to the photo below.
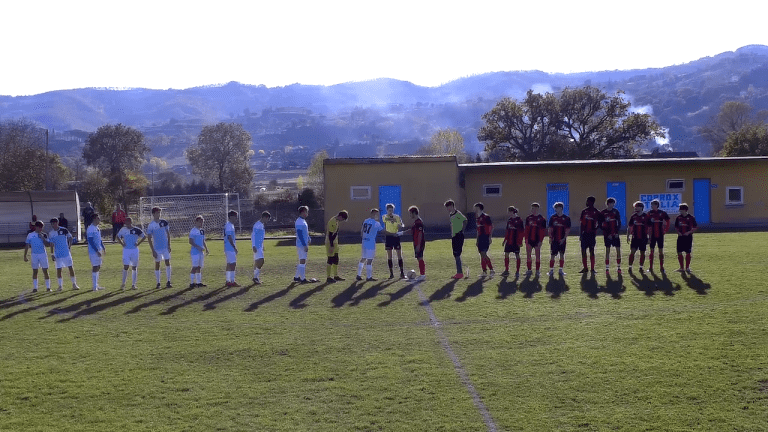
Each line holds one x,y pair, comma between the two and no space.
641,353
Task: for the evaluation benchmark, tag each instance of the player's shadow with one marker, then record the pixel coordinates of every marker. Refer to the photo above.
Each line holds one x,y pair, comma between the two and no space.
589,285
200,298
345,296
24,298
643,283
696,284
299,301
397,295
614,287
556,286
371,292
665,285
39,306
94,309
274,296
159,300
507,287
473,290
443,292
530,286
211,305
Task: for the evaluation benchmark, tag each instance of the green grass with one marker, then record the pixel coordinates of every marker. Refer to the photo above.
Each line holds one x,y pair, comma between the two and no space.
683,353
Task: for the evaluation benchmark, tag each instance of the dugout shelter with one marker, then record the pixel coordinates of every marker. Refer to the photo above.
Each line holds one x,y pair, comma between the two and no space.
723,193
17,208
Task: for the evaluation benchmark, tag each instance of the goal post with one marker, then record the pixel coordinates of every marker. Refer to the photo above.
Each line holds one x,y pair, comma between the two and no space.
180,211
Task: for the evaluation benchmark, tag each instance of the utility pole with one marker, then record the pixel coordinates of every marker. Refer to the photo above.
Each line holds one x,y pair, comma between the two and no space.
46,159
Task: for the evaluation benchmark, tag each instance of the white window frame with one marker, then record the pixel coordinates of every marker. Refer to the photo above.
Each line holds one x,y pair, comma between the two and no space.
485,186
352,190
669,189
727,195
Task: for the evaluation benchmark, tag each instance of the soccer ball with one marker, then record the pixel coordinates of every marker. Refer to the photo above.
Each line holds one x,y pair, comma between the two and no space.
412,274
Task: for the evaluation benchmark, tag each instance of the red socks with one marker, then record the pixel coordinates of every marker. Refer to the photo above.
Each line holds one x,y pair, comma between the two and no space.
422,267
687,261
591,261
506,263
680,260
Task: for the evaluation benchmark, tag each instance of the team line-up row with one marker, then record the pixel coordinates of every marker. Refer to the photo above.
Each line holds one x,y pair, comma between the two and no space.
642,228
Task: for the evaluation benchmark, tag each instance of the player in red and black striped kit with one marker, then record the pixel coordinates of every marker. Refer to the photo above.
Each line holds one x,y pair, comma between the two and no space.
513,239
484,231
637,228
590,220
419,242
535,230
559,227
659,226
685,225
611,219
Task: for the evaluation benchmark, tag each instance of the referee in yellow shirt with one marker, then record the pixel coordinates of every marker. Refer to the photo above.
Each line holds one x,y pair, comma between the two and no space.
393,224
332,246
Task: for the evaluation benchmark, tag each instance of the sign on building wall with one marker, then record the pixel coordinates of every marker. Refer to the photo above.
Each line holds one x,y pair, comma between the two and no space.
669,202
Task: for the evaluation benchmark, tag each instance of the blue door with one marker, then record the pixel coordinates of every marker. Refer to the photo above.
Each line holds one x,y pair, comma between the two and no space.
701,200
557,192
391,195
618,191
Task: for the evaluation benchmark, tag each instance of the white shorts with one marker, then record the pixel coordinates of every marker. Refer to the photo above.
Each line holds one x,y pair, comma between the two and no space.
231,257
39,261
95,259
302,253
62,262
369,254
197,260
162,255
258,255
131,257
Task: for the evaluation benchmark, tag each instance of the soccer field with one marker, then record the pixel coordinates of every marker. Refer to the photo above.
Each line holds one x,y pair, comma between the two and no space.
642,353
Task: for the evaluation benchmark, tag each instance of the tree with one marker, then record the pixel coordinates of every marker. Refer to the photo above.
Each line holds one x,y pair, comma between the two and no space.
23,162
732,116
598,126
222,156
116,150
750,140
315,171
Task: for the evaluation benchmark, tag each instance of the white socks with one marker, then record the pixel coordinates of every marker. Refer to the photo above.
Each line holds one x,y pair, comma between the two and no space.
369,270
360,269
95,278
256,272
125,274
168,273
157,276
302,271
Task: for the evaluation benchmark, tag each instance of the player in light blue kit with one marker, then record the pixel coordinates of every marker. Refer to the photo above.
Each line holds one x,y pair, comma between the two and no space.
95,249
37,240
130,237
159,236
370,230
230,249
257,244
197,252
61,243
302,246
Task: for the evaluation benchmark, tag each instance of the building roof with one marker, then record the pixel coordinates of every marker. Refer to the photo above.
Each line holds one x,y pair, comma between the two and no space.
389,160
615,162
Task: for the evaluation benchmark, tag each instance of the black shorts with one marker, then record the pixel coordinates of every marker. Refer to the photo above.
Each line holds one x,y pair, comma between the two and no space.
556,247
511,248
684,244
657,242
483,243
457,243
587,240
392,242
639,243
418,254
533,243
612,241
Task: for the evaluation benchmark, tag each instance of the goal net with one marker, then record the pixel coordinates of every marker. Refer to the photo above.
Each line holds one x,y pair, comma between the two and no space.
180,211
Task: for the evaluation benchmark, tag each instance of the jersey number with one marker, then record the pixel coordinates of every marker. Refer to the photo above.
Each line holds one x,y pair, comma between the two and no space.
367,228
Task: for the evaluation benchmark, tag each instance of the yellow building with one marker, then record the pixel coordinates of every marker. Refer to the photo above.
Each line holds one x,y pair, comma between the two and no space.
721,192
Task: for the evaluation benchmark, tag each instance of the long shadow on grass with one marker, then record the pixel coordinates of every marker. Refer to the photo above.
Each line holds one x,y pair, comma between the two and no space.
529,286
211,305
42,305
202,297
158,300
345,296
255,305
696,284
473,290
371,292
643,283
90,310
506,287
23,298
444,292
613,287
298,302
665,285
397,295
556,286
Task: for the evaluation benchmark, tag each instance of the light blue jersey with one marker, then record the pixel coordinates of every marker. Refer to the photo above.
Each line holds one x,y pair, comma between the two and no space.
36,242
94,240
198,237
60,239
131,236
302,232
159,232
371,229
229,232
257,236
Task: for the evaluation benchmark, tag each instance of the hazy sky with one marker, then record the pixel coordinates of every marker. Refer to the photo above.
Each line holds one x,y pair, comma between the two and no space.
53,45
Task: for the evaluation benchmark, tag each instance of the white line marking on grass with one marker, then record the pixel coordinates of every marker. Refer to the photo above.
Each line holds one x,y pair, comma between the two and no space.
487,418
